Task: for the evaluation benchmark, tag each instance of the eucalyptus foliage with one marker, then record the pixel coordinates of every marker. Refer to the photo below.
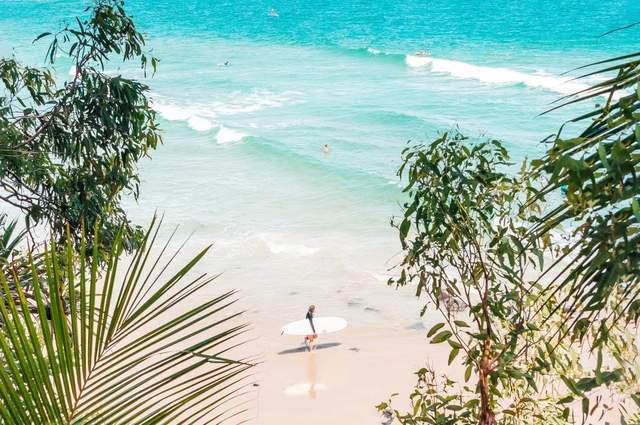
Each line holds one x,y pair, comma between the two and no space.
465,234
462,232
69,149
133,345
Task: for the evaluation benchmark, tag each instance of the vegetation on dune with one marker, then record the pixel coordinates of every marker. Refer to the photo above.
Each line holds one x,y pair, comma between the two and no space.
476,239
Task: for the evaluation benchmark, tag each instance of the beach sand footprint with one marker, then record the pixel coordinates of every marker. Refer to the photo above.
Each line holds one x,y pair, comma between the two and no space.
355,302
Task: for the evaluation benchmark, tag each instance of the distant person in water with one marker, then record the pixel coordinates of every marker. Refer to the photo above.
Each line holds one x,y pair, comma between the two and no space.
227,63
325,148
309,340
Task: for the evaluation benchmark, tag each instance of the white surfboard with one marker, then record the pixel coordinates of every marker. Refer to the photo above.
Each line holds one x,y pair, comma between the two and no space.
323,325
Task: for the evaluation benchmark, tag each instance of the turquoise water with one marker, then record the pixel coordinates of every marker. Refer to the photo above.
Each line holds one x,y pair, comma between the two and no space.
242,163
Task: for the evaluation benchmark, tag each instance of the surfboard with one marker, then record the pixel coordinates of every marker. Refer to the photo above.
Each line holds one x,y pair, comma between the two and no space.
323,325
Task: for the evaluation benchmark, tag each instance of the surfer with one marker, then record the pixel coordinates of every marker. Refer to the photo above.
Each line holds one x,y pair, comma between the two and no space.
309,340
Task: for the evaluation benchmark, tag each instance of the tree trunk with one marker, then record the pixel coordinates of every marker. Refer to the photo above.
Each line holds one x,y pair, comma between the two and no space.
487,417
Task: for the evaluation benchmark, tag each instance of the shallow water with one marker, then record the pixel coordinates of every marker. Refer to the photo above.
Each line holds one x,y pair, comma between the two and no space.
242,164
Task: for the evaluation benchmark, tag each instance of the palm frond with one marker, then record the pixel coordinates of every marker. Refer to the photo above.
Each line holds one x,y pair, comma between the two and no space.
133,346
600,170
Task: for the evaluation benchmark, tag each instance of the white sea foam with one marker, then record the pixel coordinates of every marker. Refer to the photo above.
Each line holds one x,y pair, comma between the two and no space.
170,111
173,112
227,135
254,101
199,124
492,75
202,116
297,250
373,51
277,125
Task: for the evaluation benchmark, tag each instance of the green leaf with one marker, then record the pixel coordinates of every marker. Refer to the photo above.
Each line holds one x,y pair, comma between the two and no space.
571,385
636,208
603,155
434,329
44,34
455,344
467,373
565,400
441,337
585,406
452,355
461,323
404,229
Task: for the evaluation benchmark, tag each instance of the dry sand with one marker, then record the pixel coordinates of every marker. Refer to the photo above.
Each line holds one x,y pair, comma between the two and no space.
343,379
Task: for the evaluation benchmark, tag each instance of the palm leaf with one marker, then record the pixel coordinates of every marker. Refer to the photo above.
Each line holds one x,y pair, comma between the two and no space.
599,168
133,346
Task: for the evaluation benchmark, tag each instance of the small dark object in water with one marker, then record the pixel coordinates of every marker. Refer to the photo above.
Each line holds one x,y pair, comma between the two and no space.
356,349
255,384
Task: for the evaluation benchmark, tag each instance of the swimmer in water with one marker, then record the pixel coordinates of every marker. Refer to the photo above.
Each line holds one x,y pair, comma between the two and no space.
227,63
325,148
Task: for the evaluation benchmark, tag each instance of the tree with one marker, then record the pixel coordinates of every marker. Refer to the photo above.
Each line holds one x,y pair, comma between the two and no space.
69,151
464,233
125,348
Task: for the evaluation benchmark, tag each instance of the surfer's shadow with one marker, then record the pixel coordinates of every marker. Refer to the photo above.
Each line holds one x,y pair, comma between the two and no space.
317,347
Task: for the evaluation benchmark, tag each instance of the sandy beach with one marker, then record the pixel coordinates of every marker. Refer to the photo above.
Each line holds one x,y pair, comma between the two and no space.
343,379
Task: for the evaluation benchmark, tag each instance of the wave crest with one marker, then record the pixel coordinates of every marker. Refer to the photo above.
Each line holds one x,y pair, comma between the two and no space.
486,74
227,135
201,117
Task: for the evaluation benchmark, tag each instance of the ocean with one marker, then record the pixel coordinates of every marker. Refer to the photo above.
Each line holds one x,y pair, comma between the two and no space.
242,164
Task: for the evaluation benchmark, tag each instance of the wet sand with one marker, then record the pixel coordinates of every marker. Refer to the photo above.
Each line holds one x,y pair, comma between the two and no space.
343,379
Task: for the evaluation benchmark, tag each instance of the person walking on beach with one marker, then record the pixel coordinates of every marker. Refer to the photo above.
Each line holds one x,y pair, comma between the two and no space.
309,340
